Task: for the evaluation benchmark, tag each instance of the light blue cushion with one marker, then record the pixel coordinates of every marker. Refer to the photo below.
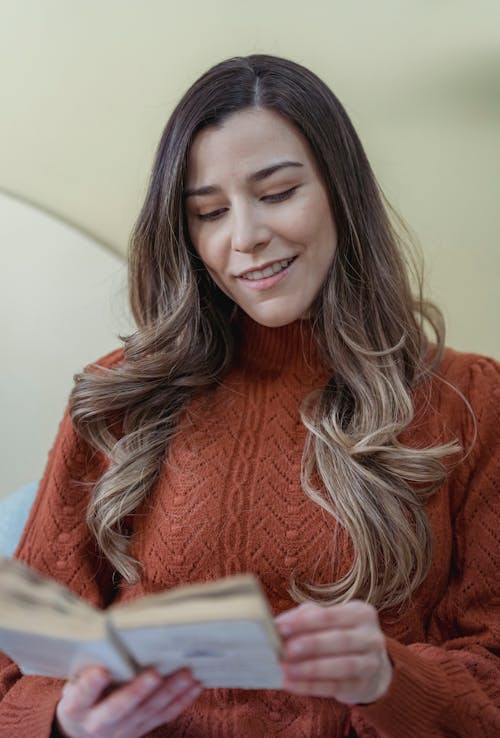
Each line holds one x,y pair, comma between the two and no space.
14,511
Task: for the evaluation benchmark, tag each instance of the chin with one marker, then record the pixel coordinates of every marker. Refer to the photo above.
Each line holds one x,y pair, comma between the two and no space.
276,319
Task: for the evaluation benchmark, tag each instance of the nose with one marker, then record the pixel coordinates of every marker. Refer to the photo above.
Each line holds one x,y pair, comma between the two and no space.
248,231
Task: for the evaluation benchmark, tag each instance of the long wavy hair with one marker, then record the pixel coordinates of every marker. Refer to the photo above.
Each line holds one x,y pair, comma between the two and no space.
367,319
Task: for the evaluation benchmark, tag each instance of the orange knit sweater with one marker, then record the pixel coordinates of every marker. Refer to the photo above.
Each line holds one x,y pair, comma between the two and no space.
230,501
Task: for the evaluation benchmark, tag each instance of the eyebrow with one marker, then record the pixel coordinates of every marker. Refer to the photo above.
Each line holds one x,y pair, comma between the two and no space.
255,177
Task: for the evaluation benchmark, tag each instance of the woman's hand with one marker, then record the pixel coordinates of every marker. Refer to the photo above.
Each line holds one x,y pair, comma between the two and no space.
88,709
335,651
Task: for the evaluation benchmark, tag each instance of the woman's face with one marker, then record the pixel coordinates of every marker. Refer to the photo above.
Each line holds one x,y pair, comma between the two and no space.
258,215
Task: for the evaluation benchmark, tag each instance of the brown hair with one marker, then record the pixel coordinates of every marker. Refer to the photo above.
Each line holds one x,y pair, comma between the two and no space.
368,322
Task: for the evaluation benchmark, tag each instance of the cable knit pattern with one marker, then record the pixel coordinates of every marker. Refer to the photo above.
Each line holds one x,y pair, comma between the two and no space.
229,500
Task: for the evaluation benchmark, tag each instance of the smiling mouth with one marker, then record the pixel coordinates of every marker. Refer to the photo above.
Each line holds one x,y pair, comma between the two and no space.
268,271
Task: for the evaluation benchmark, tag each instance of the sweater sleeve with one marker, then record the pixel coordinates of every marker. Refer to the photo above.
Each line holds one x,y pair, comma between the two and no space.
450,685
56,542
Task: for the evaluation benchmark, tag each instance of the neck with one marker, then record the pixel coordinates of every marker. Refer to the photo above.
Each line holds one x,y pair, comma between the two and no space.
278,350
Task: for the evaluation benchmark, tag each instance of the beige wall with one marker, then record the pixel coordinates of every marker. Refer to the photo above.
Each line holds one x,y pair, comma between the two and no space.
88,84
62,305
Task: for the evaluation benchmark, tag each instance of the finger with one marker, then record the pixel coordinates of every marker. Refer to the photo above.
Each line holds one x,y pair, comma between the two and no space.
172,710
171,690
122,702
84,691
311,617
337,668
334,642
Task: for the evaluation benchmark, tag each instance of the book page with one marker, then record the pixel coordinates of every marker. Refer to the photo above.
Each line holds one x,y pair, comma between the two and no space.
62,657
47,629
223,653
232,598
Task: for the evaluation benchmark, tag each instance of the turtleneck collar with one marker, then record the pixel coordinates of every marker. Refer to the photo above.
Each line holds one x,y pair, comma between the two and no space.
277,350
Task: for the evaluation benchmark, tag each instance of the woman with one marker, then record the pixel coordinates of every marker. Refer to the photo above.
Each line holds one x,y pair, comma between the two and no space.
279,410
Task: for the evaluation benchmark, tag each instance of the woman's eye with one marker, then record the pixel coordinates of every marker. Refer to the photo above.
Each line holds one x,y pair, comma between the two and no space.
214,214
210,216
279,195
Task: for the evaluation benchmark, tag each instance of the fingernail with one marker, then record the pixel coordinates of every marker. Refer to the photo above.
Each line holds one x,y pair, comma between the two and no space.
151,680
295,648
101,677
181,683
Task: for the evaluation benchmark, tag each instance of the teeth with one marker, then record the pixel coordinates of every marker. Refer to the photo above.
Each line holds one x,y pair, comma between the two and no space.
268,271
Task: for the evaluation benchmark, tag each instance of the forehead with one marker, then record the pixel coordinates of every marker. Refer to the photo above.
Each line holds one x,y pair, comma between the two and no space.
246,142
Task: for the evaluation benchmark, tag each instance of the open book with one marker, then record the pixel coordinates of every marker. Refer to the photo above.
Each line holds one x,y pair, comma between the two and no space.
223,631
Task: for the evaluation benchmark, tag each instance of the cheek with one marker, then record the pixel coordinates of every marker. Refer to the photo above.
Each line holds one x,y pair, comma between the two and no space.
201,244
326,233
311,224
298,225
206,252
212,260
319,240
219,282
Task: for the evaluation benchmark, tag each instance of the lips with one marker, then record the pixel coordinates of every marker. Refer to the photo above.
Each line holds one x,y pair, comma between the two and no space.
266,270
